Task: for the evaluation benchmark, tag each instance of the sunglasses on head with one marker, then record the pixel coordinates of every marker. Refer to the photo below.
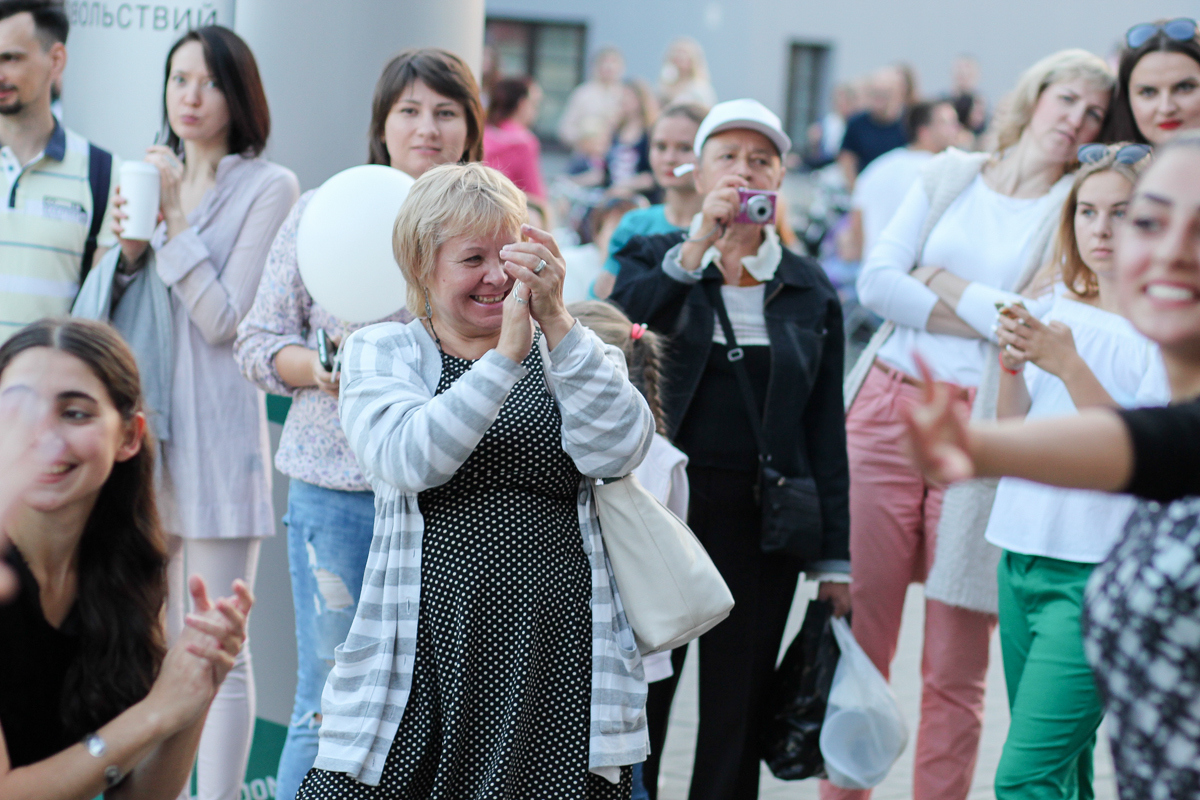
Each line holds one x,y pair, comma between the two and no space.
1181,30
1129,154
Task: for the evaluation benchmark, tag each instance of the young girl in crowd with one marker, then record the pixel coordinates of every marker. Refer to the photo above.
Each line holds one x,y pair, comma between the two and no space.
629,169
1081,353
221,206
426,101
90,699
664,470
1141,618
671,142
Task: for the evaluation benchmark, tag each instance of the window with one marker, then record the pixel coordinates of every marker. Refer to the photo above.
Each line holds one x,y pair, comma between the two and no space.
552,53
807,74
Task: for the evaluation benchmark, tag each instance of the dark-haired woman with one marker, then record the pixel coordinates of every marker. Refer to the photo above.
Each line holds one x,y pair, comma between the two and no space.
221,206
508,144
426,112
90,699
1158,84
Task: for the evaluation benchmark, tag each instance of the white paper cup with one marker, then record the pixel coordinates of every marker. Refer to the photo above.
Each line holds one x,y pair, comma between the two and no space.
140,187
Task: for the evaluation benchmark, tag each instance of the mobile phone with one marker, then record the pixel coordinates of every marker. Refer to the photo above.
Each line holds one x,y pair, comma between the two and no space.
326,350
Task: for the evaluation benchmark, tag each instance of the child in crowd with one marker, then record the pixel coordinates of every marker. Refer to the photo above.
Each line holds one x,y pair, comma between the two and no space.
671,141
1081,353
664,470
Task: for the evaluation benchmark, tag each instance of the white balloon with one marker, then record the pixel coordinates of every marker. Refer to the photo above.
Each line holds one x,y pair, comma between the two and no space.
344,243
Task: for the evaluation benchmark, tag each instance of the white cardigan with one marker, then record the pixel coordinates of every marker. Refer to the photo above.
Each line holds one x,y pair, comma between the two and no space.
408,438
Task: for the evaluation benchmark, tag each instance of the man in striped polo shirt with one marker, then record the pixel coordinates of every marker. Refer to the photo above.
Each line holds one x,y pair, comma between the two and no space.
51,179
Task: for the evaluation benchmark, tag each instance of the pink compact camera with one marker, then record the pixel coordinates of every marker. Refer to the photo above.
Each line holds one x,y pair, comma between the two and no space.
757,207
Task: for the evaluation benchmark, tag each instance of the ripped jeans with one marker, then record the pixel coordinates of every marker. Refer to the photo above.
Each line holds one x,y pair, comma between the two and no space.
329,537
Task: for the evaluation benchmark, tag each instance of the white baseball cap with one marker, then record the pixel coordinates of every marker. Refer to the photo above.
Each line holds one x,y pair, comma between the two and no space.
743,113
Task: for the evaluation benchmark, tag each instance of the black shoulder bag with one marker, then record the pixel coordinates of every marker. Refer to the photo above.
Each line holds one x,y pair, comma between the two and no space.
791,507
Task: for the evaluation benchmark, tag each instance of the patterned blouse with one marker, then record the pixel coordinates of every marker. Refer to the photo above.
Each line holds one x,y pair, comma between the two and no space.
313,447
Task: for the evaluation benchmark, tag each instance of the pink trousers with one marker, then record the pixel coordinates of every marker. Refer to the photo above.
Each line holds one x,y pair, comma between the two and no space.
893,527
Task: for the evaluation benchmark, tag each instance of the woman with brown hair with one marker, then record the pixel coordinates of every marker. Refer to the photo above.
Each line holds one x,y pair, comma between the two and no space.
426,112
221,204
508,143
1158,84
91,700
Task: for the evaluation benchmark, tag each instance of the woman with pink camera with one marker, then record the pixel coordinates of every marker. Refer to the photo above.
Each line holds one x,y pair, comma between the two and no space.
755,357
968,235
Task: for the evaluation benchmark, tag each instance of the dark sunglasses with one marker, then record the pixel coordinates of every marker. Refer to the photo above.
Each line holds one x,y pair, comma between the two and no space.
1129,154
1181,30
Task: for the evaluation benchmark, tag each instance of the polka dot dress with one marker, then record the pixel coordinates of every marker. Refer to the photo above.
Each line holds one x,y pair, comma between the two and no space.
500,706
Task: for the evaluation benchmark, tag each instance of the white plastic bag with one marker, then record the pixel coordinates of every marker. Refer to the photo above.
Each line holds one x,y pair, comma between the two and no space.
863,734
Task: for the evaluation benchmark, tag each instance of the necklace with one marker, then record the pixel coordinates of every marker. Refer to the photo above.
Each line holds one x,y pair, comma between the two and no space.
436,340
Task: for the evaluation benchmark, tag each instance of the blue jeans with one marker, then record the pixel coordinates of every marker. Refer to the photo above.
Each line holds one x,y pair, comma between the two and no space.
639,790
329,536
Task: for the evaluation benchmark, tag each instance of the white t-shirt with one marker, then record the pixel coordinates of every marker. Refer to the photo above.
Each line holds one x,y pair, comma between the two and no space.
881,188
664,474
1073,524
984,237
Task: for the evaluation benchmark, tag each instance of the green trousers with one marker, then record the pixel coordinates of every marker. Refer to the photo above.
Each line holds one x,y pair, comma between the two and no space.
1052,695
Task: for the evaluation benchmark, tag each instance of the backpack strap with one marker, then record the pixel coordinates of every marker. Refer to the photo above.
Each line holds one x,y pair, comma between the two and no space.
100,179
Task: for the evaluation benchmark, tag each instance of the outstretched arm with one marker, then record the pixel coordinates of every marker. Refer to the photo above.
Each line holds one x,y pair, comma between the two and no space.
1092,450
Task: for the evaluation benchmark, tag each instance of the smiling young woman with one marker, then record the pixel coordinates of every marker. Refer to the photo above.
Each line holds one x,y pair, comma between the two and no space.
90,698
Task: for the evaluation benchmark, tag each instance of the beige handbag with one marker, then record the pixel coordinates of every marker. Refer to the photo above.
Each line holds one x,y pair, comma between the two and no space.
669,586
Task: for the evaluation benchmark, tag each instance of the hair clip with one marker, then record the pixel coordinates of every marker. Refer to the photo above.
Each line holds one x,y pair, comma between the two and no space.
637,331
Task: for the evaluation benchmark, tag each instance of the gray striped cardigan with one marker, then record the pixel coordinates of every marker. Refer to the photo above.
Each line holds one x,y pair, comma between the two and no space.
407,439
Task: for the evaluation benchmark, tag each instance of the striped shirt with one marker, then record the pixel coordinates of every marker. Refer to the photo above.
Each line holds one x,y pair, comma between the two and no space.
44,223
407,439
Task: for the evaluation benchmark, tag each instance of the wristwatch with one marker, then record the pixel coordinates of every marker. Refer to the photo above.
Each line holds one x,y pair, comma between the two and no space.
98,749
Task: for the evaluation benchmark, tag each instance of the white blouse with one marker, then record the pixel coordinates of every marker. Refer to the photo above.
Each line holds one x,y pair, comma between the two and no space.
1073,524
983,237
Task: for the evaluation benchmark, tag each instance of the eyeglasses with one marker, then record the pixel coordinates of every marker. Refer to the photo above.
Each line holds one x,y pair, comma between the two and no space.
1128,154
1181,30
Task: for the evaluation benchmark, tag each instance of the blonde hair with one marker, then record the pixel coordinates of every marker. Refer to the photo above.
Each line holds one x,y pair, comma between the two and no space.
643,355
448,201
1077,276
696,53
1016,110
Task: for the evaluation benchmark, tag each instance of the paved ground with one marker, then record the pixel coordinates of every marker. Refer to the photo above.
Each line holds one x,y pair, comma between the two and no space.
677,759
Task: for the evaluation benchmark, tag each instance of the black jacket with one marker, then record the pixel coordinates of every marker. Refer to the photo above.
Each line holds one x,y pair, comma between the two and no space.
803,419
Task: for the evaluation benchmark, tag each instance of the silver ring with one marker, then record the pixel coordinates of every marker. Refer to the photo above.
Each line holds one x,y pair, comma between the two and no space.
519,300
541,266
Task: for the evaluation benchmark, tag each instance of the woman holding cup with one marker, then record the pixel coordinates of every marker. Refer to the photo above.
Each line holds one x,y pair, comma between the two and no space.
220,205
426,112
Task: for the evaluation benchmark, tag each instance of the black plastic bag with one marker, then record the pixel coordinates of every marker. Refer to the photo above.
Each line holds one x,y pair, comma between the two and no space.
792,726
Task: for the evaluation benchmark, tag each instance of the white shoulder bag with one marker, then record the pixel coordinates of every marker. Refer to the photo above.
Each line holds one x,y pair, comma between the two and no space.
671,590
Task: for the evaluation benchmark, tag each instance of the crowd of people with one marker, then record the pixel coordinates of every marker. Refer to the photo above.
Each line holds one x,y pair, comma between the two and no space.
459,628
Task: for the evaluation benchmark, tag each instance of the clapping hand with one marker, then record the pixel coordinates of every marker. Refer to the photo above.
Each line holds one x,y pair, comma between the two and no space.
196,665
539,265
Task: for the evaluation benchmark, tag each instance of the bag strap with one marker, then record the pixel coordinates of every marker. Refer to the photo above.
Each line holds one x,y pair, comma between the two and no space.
99,178
736,355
